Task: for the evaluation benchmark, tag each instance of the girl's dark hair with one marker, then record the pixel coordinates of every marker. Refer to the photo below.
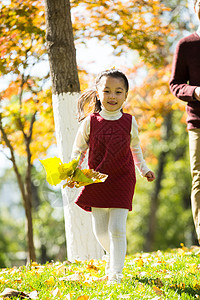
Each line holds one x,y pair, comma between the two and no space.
88,102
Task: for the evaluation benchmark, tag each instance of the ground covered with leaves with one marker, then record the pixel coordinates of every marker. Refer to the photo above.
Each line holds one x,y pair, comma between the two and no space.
174,274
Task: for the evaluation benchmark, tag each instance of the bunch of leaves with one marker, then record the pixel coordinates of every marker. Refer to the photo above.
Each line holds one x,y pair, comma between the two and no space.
56,171
173,274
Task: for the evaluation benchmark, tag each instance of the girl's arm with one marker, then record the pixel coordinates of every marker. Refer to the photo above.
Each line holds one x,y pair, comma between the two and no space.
81,141
137,151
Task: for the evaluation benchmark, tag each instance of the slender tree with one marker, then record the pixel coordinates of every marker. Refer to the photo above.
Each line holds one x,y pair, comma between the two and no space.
22,103
81,244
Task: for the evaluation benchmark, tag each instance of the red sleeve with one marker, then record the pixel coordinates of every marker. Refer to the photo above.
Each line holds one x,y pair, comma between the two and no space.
179,85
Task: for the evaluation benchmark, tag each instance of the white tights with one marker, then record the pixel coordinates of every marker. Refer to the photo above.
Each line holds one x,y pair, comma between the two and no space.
109,226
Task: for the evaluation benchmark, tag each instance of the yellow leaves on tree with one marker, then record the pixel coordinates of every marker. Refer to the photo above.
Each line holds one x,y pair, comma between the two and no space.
21,33
26,110
152,101
124,24
17,116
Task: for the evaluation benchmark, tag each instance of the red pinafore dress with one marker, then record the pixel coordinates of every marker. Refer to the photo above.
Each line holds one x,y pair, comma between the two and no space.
110,153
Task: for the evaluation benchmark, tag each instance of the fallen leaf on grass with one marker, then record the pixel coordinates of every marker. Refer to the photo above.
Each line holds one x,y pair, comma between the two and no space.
83,297
57,293
33,295
35,265
91,279
50,281
140,262
140,287
73,277
158,291
92,266
10,293
2,280
193,268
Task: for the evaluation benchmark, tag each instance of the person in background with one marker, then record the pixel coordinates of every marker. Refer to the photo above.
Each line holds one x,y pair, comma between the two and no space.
185,85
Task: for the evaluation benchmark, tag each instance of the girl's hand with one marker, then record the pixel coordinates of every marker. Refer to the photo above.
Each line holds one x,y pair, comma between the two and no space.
68,183
71,185
150,176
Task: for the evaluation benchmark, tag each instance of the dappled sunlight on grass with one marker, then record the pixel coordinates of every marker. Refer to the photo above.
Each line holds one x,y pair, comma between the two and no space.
174,274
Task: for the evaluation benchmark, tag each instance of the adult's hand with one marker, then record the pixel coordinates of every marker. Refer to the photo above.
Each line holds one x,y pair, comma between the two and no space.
197,93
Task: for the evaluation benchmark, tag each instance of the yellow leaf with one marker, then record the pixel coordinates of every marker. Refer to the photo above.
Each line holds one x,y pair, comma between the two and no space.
95,176
67,169
140,262
80,178
2,280
83,297
86,177
57,293
192,268
158,291
34,264
73,277
141,287
51,166
181,252
50,281
91,266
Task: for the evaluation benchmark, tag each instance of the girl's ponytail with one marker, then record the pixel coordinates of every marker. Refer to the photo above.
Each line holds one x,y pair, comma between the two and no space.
88,103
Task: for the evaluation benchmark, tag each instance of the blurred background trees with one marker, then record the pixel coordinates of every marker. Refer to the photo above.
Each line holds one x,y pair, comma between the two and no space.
142,36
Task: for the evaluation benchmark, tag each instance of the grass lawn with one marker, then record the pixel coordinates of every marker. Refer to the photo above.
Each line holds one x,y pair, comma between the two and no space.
174,274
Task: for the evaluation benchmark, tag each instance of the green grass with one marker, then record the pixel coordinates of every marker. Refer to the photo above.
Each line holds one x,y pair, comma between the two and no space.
174,274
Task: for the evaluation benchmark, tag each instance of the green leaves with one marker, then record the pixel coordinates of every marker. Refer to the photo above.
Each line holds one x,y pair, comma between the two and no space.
56,171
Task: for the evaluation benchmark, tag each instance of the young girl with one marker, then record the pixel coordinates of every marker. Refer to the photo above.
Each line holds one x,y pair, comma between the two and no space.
114,149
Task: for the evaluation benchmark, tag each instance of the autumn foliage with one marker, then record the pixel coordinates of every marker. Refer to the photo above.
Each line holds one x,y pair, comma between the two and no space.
125,25
26,117
25,108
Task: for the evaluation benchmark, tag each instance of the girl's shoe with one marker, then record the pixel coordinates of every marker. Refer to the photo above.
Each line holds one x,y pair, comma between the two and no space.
115,278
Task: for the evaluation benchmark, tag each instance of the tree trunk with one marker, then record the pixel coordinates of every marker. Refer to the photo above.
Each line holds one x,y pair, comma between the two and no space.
26,194
29,228
155,195
81,243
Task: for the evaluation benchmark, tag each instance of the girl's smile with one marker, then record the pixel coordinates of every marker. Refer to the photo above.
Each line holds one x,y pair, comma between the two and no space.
112,93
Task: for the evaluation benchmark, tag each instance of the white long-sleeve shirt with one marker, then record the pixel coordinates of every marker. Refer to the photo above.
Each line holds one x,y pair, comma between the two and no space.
81,142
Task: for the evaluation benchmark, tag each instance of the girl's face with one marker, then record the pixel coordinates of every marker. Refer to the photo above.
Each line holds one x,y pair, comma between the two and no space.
112,92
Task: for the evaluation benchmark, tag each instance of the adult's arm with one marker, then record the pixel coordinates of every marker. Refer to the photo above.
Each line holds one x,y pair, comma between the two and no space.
179,82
